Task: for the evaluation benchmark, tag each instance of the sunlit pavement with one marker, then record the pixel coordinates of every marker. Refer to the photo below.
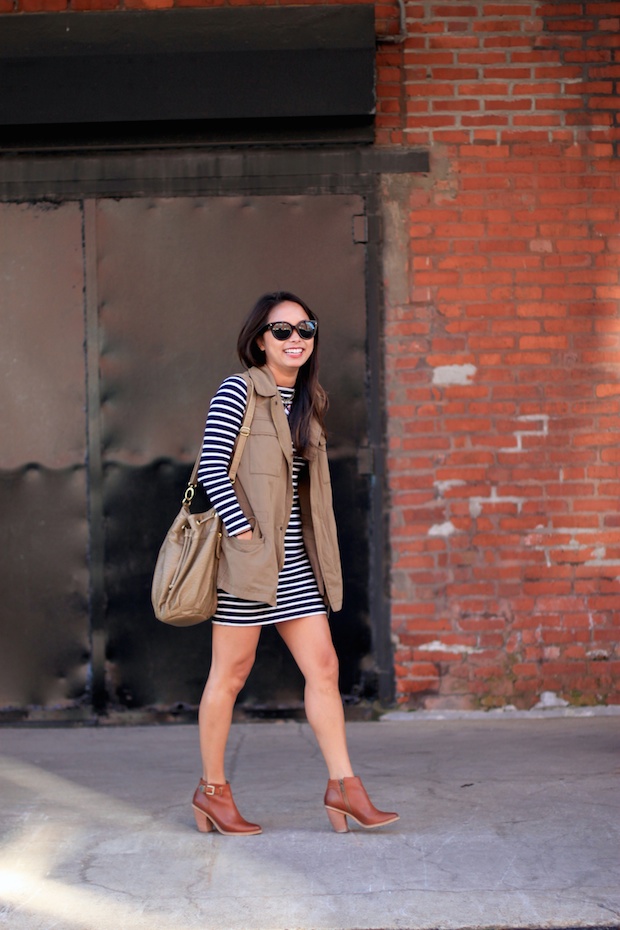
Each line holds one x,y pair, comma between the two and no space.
505,822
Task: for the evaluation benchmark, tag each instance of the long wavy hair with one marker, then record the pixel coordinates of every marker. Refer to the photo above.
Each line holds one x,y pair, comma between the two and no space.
310,399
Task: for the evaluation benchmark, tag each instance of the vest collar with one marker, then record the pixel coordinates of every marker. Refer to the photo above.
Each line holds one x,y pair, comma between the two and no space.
265,386
264,382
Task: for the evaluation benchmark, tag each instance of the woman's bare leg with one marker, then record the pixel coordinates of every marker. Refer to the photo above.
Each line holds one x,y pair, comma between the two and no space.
310,642
233,654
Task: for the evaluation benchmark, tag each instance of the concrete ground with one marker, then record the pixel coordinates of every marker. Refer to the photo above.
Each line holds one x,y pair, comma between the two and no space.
510,821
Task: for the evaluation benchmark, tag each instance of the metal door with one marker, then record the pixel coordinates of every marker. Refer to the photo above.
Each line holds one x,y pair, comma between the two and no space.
44,612
166,283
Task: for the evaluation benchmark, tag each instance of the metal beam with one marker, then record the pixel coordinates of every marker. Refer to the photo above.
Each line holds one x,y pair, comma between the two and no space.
215,171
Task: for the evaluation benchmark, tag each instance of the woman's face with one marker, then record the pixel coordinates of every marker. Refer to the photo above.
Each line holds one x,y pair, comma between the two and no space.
284,359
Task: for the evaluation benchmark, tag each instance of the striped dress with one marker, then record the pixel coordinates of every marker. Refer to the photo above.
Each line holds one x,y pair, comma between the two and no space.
298,594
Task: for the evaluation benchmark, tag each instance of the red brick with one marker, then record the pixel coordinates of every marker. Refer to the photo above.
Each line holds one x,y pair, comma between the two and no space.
42,6
148,4
95,4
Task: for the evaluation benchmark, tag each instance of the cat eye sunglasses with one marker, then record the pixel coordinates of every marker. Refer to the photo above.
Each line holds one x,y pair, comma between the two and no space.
283,331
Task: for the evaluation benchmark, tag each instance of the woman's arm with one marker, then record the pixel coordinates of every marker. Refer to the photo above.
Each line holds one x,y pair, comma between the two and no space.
221,430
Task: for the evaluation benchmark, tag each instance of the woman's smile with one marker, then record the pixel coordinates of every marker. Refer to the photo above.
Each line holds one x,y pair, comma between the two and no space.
284,359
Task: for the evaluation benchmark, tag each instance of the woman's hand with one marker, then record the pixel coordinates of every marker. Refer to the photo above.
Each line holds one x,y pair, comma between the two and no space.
245,536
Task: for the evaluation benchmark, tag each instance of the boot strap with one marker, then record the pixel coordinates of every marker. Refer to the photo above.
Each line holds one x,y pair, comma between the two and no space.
210,790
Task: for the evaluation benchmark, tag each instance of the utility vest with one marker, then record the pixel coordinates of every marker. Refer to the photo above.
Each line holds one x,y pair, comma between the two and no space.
249,569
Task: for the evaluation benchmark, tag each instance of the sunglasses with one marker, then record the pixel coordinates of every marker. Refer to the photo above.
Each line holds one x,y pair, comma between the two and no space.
283,331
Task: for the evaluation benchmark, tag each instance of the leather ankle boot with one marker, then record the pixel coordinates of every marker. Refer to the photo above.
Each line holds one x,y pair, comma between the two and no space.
347,797
214,807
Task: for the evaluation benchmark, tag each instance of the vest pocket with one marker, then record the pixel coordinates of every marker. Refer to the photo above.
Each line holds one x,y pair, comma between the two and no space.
246,544
247,569
265,455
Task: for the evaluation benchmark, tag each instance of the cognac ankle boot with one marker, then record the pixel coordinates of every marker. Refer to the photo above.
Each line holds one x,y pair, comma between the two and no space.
214,807
347,797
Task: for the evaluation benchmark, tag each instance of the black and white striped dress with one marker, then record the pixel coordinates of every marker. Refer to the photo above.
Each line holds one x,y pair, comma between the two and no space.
298,594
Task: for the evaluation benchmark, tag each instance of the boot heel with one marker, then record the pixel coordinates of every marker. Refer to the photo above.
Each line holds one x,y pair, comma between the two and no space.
214,808
338,820
347,796
202,821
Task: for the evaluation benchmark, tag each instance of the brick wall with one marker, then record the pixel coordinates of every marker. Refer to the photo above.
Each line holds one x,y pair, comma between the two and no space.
503,356
502,346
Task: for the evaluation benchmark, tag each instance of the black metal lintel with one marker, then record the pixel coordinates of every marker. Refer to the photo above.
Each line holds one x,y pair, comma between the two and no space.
187,64
192,173
103,80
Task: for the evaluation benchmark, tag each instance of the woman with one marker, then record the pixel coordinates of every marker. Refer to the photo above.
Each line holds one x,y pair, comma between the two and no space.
279,560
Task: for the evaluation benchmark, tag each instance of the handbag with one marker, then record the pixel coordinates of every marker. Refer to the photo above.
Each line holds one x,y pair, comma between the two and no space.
184,588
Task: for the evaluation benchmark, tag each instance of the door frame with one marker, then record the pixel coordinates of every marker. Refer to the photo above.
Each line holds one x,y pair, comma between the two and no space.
228,172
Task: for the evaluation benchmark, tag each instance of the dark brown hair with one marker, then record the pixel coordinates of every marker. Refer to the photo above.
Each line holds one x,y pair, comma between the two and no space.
310,398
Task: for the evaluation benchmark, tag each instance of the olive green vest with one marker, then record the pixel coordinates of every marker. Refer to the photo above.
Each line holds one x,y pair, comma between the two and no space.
249,568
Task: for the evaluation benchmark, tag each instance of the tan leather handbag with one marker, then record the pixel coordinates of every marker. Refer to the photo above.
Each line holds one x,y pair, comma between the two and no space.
184,589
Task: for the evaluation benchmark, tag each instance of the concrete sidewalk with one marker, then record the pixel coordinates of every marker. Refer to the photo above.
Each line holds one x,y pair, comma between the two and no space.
504,823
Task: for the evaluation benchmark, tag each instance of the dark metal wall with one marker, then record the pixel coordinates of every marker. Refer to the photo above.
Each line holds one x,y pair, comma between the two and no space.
44,659
118,320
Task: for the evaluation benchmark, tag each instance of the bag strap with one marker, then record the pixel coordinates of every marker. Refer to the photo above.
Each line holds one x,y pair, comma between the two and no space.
244,432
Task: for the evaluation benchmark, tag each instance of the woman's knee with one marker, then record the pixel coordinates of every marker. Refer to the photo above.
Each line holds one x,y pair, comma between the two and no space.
231,678
325,669
332,664
232,658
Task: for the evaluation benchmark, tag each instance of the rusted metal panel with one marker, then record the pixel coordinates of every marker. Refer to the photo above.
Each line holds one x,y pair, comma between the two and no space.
42,380
44,660
175,279
177,276
45,655
119,319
